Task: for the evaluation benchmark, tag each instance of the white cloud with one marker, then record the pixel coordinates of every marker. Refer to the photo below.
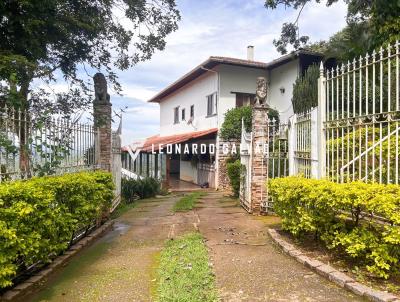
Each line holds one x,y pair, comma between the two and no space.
141,93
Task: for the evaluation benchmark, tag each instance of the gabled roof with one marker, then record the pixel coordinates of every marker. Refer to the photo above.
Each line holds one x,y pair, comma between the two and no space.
210,63
213,61
152,143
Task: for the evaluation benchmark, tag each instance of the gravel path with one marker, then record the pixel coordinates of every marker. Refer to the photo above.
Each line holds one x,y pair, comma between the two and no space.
248,267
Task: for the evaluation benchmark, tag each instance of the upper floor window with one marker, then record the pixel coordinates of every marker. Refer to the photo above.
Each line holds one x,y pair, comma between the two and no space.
176,115
183,114
244,99
211,104
192,111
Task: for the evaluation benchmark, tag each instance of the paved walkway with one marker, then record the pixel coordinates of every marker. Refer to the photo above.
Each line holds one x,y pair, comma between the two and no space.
248,267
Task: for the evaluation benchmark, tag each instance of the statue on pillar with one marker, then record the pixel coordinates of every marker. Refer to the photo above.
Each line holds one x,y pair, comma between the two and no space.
100,89
261,92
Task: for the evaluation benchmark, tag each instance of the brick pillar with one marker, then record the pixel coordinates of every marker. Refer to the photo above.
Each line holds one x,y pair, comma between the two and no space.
102,122
259,162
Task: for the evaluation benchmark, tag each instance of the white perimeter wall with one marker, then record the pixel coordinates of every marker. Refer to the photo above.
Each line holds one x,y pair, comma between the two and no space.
283,76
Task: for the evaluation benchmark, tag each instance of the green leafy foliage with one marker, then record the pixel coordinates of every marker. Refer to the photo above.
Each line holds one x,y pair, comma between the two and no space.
43,40
369,25
184,273
234,171
362,139
305,90
340,215
39,217
132,189
231,129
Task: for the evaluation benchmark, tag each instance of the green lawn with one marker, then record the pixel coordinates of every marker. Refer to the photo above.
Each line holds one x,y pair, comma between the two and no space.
184,273
187,202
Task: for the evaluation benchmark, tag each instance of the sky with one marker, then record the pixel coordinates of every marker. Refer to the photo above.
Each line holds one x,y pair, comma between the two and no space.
212,28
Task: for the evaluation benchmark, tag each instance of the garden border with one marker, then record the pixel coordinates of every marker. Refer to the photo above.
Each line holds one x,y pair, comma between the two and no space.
23,288
331,273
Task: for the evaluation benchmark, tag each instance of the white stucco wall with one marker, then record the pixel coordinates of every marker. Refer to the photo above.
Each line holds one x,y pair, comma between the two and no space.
194,93
283,76
235,79
188,172
231,79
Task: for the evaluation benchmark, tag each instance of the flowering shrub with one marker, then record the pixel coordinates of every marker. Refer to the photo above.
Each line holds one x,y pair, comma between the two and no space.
39,217
341,215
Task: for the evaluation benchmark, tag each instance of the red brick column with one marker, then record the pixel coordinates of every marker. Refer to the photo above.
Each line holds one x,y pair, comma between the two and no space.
102,122
259,162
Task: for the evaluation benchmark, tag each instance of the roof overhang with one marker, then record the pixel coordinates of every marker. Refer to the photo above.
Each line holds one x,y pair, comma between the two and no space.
154,143
292,56
199,70
213,61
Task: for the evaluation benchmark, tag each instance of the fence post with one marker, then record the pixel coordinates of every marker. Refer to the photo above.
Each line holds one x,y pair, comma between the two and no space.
291,144
321,119
102,123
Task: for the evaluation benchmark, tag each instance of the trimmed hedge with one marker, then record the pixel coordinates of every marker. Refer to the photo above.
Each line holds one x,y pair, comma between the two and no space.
132,189
39,217
340,215
233,170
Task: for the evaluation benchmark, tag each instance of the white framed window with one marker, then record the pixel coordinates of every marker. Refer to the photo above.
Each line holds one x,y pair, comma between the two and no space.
183,117
176,115
192,111
212,104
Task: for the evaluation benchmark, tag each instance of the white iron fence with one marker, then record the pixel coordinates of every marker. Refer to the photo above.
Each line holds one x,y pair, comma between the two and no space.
302,145
32,146
278,161
362,118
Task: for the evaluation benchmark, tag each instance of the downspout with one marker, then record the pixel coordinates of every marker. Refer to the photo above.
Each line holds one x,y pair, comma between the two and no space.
217,139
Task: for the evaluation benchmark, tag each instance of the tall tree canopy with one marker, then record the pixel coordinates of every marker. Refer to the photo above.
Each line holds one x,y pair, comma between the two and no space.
370,23
40,40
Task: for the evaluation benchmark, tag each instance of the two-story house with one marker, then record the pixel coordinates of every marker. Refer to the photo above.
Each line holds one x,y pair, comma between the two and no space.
192,109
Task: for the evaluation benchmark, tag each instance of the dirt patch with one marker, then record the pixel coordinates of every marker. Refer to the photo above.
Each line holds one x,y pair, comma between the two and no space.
249,267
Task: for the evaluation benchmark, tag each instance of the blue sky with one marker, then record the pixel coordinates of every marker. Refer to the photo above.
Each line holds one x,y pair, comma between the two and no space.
211,27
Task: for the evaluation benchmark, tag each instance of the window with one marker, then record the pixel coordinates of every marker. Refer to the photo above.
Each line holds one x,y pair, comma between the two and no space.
176,115
183,115
244,99
192,111
211,104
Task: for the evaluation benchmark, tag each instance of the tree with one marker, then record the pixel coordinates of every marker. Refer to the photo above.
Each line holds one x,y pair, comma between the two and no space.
42,39
232,127
305,90
370,23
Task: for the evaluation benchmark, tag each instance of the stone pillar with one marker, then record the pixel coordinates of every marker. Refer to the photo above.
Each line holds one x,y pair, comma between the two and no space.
102,122
259,160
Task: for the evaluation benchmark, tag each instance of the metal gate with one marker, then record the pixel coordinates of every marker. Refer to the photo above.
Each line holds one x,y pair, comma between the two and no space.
206,174
116,166
278,159
302,146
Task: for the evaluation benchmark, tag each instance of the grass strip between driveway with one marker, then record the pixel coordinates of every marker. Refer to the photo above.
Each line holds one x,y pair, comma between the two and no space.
187,202
184,273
